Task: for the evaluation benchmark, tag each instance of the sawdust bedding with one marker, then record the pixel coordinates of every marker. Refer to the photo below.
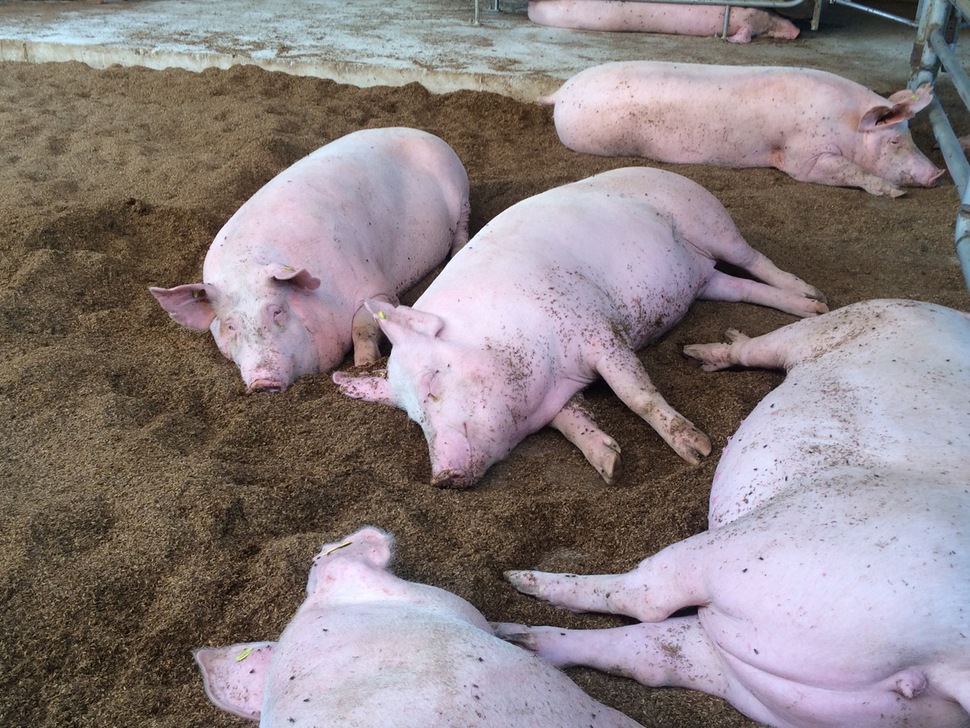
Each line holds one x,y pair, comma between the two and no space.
150,507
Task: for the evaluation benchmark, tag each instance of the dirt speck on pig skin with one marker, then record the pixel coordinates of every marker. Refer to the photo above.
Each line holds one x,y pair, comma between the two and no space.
151,507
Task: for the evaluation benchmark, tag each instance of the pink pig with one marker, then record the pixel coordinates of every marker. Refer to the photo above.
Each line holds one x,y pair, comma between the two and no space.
370,650
556,291
365,216
651,17
812,125
832,588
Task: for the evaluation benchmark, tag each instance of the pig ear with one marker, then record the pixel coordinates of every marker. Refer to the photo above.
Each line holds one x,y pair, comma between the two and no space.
301,278
370,386
189,305
235,676
400,321
905,105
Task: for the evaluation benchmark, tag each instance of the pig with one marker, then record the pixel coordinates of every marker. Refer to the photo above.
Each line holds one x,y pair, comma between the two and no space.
832,585
367,648
812,125
365,216
556,291
651,17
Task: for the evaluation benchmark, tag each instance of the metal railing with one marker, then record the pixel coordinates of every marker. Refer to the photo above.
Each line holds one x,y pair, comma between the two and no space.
936,37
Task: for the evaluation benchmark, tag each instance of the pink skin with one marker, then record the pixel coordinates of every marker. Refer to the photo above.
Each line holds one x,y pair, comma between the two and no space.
832,586
815,126
369,649
553,293
366,216
649,17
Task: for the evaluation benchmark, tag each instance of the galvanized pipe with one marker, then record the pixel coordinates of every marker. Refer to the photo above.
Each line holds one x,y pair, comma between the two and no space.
874,11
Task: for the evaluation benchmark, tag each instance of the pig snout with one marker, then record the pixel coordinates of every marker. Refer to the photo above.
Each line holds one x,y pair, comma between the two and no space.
266,385
451,459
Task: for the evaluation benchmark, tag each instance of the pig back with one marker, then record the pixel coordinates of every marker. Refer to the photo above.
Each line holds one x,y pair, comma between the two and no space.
599,255
369,213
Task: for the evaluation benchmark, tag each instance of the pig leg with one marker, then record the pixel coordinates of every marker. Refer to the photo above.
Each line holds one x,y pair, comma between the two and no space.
724,287
626,376
835,170
781,348
367,334
660,585
676,652
578,426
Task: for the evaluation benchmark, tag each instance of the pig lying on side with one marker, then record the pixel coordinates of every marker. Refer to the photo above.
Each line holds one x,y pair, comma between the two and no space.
651,17
812,125
833,585
369,649
366,216
554,292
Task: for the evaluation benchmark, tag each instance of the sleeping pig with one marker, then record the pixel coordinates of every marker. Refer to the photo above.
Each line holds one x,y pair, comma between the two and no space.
370,650
365,216
812,125
556,291
654,17
833,584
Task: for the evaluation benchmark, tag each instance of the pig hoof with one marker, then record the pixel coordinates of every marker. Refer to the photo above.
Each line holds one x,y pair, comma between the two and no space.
689,442
517,634
524,582
712,357
608,462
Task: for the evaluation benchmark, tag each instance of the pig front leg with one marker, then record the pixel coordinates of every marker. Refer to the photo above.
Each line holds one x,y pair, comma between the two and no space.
626,376
576,423
366,334
836,170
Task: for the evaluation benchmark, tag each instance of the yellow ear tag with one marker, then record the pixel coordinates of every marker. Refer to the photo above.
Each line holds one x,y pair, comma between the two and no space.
330,550
244,654
381,315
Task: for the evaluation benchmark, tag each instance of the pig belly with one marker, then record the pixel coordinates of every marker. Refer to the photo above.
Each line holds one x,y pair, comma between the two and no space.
841,602
852,422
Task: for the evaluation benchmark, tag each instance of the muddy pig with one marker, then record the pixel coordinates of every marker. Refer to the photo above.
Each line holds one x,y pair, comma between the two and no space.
832,585
556,291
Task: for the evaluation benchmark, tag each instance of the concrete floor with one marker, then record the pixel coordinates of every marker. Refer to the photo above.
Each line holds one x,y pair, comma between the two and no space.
433,42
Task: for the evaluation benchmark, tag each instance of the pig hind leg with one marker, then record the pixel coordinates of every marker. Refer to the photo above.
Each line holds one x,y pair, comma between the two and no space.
774,288
626,376
676,652
578,426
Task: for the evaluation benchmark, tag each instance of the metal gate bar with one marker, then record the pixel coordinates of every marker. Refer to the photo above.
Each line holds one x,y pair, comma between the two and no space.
936,36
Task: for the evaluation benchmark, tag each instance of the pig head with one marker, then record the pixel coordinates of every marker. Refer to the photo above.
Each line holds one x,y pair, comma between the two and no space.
368,649
275,334
461,396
